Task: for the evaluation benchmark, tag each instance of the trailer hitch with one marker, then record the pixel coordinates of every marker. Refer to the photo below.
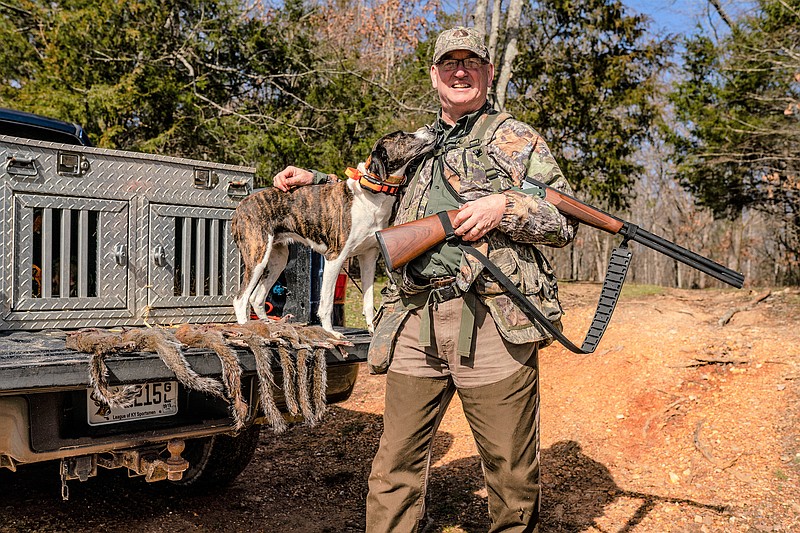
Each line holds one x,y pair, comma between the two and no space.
148,462
141,462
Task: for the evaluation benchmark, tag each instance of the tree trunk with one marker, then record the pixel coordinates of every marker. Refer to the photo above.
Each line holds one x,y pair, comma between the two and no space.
479,16
494,34
601,243
573,262
512,33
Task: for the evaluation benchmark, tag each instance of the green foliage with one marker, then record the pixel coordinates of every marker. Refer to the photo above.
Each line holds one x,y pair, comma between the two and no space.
697,102
202,79
586,78
134,74
195,78
739,119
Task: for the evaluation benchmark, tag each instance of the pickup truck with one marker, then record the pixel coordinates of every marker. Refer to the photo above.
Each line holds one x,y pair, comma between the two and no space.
110,239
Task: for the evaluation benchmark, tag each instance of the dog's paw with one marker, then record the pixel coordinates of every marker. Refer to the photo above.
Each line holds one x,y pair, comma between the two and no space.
334,333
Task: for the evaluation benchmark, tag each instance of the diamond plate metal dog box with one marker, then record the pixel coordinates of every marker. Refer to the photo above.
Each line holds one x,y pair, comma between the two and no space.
95,237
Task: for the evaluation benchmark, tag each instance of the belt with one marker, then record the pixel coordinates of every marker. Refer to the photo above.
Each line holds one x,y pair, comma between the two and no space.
430,283
446,292
441,289
443,281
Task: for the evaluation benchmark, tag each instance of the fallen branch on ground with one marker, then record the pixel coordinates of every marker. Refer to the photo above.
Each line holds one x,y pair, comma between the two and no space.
727,316
703,449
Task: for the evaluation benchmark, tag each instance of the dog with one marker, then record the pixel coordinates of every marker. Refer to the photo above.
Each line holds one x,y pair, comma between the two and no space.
338,220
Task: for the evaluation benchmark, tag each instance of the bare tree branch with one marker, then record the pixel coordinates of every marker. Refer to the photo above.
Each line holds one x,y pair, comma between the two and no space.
721,12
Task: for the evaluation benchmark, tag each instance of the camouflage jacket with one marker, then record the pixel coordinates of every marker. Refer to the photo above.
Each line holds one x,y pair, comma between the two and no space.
515,150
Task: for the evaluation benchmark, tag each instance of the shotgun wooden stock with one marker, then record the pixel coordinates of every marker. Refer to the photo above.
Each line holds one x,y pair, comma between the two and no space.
403,243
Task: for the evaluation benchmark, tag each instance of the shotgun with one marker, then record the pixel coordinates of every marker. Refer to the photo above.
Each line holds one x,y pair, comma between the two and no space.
403,243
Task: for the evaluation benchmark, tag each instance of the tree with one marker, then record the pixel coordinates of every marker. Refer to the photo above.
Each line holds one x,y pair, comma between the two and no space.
357,84
502,46
136,74
739,114
381,34
209,80
585,78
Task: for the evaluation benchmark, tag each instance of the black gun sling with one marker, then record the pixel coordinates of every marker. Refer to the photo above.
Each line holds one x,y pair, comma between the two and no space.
612,287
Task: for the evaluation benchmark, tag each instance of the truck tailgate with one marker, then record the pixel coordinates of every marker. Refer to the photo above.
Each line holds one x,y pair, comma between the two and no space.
36,360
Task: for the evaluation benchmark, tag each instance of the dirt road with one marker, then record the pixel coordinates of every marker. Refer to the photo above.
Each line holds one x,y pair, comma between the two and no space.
676,424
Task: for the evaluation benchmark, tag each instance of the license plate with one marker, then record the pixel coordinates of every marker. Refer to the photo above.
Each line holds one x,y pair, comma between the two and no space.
153,400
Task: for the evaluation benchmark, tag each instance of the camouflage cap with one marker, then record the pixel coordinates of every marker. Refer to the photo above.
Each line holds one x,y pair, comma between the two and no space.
460,38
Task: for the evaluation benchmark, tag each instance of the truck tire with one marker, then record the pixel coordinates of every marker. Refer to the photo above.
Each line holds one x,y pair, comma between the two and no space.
214,462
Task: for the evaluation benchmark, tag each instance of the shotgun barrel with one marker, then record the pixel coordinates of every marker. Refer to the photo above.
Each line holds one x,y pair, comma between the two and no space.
405,242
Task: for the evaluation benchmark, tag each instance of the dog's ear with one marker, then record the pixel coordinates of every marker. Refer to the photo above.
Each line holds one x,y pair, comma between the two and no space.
378,162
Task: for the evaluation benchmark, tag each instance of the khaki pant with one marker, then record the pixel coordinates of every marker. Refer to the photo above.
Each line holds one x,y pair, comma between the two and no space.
492,357
504,418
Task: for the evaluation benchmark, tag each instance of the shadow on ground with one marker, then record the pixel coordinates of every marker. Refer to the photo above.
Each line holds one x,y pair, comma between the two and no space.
578,489
310,480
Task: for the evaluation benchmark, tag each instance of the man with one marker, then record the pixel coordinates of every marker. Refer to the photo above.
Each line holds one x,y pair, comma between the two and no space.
446,326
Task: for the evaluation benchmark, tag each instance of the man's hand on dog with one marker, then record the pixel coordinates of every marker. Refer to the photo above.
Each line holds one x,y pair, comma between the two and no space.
476,218
291,177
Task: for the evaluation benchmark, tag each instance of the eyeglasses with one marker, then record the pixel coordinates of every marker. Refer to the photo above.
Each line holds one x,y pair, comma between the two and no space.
469,63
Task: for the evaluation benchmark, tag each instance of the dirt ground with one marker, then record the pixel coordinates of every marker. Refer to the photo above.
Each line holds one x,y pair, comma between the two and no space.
676,424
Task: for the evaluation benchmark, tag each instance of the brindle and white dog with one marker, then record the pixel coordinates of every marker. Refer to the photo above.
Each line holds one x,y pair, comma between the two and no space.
338,220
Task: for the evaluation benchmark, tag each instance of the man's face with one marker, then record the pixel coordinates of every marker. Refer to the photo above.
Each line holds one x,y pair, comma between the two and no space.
462,90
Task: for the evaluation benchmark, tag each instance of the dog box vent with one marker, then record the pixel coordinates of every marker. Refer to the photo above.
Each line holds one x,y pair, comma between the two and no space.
68,253
199,263
57,269
194,262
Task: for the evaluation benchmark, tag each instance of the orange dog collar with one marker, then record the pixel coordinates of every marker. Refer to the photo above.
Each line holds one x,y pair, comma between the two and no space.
373,182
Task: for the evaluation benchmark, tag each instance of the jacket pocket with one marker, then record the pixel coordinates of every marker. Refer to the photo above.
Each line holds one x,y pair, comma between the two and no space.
520,267
390,317
548,289
530,272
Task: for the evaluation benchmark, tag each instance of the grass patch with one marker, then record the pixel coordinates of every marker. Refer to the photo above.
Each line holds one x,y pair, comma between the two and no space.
353,317
631,290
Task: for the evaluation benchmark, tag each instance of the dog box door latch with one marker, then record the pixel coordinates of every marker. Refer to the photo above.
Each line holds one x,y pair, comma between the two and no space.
71,164
205,179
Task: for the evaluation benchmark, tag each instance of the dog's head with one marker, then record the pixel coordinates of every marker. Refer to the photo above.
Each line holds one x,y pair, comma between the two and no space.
391,155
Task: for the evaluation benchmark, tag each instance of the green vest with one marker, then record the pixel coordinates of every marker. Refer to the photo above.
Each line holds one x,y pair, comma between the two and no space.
444,260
